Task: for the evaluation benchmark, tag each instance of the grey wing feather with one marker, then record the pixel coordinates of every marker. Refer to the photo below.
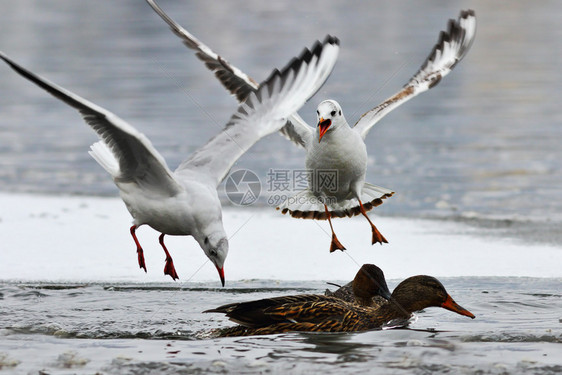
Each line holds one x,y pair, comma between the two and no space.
451,47
297,130
265,111
233,79
138,160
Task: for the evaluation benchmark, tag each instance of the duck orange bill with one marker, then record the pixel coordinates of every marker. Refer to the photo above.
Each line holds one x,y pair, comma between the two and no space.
450,304
221,274
323,126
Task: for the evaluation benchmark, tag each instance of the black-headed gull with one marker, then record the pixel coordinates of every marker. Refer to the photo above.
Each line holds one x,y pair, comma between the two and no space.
336,151
185,201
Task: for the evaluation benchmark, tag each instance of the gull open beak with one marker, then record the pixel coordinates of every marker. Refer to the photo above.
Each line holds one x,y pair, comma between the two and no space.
451,305
323,126
221,274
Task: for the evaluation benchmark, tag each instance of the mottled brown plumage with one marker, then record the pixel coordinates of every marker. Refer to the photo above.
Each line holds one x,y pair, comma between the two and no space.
330,314
368,283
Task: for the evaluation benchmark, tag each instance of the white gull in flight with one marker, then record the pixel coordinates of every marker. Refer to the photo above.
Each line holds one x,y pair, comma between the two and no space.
185,201
336,151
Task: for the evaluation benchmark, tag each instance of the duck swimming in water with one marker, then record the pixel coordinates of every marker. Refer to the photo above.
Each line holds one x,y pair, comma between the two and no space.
330,314
369,283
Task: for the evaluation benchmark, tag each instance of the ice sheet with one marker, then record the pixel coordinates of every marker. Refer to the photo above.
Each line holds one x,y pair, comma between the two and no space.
70,238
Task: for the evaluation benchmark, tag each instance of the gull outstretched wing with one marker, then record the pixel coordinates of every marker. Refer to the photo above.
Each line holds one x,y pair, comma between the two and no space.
135,159
266,110
238,83
451,47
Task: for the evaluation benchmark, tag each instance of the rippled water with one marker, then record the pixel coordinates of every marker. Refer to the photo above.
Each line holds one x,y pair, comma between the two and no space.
134,328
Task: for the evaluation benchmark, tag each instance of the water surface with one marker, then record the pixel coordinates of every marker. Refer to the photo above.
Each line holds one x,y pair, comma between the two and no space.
132,328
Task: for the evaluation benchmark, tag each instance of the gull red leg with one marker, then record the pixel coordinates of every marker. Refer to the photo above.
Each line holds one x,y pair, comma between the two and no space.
336,244
377,236
169,268
139,248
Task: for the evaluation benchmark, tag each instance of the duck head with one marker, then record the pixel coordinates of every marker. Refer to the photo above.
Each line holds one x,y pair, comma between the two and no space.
418,292
368,283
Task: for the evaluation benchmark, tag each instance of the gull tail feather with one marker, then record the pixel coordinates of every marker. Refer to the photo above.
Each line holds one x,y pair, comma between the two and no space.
305,205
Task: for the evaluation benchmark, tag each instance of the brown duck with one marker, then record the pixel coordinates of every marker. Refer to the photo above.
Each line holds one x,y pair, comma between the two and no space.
366,289
276,315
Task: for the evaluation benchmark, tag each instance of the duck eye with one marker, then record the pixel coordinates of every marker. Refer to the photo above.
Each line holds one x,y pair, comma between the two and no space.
318,113
333,113
206,240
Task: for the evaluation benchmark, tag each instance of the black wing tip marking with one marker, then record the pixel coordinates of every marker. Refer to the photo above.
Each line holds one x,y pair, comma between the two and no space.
455,32
94,116
467,13
20,69
318,46
238,86
51,88
281,76
305,57
330,39
5,58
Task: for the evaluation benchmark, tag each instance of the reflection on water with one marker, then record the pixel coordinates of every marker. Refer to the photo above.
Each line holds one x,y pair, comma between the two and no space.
485,142
124,328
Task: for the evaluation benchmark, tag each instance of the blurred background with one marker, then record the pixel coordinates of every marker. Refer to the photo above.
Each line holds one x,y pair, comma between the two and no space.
483,146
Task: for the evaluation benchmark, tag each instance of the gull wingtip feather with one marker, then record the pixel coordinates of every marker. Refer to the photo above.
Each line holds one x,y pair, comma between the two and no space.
452,46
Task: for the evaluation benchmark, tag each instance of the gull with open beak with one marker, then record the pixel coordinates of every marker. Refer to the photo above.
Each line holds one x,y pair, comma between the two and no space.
336,156
185,201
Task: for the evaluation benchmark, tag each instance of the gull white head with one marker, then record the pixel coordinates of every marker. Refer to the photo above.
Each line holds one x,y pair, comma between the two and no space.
215,246
329,116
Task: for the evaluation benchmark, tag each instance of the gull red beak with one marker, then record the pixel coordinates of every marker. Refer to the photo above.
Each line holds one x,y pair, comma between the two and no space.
323,126
221,274
451,305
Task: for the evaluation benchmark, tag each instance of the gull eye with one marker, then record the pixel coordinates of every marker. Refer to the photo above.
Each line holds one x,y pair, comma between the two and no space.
340,112
318,113
333,113
206,240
